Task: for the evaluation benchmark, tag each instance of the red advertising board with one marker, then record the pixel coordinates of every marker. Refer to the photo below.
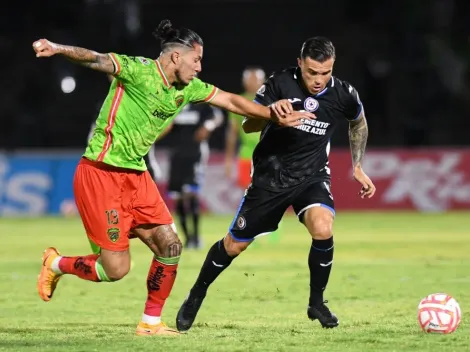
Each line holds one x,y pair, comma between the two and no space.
424,180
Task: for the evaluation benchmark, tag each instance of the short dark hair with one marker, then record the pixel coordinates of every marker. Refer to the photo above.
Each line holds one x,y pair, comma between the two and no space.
318,48
168,35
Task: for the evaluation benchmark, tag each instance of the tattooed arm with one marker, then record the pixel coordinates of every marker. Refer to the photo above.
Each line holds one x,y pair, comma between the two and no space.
88,58
358,133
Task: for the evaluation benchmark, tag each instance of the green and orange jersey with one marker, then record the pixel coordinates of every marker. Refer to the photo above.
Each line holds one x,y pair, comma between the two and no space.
140,104
248,141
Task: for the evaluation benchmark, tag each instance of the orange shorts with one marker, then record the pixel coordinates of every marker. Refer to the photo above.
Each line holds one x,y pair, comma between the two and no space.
244,173
112,201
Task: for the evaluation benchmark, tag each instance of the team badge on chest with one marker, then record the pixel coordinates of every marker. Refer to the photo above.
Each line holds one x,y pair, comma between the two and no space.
311,104
179,100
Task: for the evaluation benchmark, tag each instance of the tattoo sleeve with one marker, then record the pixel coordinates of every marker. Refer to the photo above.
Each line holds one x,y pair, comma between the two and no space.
358,133
87,58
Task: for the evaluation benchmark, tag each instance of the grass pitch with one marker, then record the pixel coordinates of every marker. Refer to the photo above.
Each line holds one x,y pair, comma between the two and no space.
384,264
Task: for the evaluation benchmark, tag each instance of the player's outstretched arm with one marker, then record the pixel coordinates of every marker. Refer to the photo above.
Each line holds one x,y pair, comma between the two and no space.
241,106
84,57
253,125
358,133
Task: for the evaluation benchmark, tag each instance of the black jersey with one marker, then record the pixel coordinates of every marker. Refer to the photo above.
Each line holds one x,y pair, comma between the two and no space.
187,122
288,156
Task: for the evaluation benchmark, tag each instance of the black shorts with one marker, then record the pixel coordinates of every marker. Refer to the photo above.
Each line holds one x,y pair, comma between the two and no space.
186,175
261,210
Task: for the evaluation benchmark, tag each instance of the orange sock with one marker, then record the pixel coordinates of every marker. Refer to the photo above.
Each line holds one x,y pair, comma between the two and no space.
83,267
160,280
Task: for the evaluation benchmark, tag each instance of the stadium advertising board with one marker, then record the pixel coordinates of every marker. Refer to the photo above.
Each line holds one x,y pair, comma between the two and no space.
423,180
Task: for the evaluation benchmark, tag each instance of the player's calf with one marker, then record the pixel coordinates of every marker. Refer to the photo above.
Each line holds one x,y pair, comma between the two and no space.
319,222
219,257
106,267
167,248
233,246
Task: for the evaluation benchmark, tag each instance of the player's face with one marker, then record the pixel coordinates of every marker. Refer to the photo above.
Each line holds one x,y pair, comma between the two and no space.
252,82
316,74
189,65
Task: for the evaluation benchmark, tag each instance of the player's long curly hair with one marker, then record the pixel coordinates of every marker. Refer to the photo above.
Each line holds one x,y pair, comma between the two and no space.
168,35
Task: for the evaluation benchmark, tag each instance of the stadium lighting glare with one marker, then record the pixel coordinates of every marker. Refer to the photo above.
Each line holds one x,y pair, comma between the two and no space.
68,84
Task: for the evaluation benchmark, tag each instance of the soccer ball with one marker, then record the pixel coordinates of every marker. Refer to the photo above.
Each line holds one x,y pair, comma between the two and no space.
439,313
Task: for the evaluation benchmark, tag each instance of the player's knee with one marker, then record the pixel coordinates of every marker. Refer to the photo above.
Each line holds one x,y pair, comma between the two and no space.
116,268
173,248
168,243
234,247
319,223
116,274
322,228
161,239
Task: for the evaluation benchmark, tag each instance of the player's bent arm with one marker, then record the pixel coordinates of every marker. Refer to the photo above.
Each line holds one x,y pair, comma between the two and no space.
88,58
84,57
253,125
240,106
358,133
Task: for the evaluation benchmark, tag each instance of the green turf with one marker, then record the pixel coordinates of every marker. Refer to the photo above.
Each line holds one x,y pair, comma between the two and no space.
384,264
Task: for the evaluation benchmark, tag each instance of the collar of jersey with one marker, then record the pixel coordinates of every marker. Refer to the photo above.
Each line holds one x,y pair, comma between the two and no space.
298,77
162,74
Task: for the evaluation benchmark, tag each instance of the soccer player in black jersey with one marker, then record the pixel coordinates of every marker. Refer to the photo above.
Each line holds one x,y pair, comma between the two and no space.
291,169
188,158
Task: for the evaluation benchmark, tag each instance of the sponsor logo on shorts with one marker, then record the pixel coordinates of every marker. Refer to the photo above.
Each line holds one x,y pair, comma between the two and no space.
113,234
241,222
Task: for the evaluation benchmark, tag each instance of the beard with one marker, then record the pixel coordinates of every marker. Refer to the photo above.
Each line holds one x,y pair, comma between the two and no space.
179,80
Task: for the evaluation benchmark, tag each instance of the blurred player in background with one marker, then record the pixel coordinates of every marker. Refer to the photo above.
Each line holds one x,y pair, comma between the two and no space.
291,169
191,129
253,79
115,194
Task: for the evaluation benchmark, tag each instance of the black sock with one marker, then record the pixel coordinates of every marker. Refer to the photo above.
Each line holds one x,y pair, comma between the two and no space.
181,211
217,260
194,210
320,261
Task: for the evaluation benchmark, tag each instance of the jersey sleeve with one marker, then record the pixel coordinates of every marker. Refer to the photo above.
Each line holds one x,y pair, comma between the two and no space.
201,92
269,92
350,102
130,69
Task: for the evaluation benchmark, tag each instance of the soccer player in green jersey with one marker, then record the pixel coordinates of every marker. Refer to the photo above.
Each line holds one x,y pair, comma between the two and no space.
115,195
253,78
